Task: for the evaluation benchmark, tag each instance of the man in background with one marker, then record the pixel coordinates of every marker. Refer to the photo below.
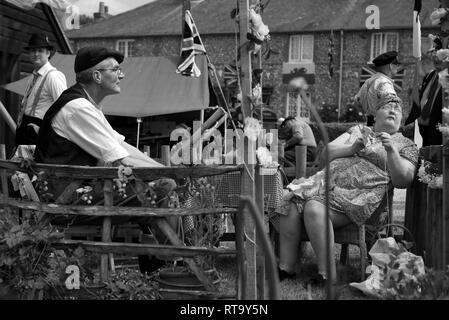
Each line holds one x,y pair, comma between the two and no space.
296,132
429,111
45,87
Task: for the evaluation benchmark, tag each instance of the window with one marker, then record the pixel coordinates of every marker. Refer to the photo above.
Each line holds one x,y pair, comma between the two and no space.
301,48
126,47
382,42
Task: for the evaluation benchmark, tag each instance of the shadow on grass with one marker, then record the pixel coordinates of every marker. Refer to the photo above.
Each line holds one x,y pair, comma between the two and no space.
297,289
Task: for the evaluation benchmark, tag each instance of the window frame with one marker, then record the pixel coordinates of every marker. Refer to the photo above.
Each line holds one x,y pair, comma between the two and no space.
126,44
301,47
383,45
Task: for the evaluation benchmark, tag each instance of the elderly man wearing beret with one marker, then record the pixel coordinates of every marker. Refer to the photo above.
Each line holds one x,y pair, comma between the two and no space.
380,85
76,132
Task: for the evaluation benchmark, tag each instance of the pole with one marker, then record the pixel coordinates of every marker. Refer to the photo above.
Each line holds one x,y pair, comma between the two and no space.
248,175
139,121
7,117
340,77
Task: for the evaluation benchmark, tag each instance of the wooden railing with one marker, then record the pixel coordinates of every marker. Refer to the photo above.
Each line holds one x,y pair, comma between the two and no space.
109,210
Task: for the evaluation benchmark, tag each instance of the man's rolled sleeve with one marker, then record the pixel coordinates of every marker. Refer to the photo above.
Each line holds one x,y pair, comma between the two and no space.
88,128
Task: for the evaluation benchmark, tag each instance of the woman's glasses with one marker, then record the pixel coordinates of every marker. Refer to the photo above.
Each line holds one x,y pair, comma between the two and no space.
391,106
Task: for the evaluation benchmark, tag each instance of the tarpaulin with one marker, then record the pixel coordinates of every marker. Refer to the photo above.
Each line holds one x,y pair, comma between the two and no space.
151,86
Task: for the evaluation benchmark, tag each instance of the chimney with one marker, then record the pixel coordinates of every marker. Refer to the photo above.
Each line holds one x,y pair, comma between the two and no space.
106,9
101,10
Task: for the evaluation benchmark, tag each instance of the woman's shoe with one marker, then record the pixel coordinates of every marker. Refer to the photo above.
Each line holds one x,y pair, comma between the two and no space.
285,275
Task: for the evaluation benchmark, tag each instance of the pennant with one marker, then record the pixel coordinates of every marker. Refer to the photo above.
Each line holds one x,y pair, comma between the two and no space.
417,30
191,46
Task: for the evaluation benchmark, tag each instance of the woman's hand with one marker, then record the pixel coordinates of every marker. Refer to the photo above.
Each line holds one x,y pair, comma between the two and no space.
385,138
358,145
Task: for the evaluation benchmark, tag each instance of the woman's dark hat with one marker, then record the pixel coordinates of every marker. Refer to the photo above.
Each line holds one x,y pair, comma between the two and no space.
39,41
88,57
386,58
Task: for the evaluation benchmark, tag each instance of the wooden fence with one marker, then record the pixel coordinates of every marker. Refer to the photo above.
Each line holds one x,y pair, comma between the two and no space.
110,210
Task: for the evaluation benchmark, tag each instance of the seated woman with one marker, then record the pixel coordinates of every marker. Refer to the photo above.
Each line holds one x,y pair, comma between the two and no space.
364,165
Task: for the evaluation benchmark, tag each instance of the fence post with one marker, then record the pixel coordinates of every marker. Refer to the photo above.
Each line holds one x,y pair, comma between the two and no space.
301,161
445,201
146,150
260,258
3,172
165,151
106,230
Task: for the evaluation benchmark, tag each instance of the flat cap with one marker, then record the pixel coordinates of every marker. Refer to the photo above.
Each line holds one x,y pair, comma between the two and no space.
88,57
386,58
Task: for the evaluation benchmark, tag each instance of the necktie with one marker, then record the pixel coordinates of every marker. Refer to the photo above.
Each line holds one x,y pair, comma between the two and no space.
27,95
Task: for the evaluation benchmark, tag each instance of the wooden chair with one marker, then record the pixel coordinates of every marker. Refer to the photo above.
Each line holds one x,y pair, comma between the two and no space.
350,234
361,236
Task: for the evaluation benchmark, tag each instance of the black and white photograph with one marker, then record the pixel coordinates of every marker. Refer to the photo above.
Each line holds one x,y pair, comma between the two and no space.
224,158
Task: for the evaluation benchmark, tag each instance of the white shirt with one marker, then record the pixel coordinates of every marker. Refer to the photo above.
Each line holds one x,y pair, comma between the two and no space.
52,89
84,124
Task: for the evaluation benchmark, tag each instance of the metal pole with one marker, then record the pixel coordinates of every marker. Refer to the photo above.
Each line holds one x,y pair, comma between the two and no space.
139,121
330,290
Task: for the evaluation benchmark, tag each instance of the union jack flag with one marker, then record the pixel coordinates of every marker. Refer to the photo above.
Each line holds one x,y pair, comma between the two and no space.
191,46
367,72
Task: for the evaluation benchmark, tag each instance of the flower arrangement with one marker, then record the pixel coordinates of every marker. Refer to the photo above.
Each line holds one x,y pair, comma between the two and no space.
438,15
443,55
430,174
203,230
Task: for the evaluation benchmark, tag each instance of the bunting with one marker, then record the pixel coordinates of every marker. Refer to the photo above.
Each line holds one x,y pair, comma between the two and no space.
191,46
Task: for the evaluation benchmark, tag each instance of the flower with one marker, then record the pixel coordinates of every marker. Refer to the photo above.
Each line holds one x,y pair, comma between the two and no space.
444,129
253,128
265,158
438,14
257,92
429,174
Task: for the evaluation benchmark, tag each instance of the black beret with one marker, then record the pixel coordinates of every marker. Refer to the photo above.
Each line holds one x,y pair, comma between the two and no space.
88,57
386,58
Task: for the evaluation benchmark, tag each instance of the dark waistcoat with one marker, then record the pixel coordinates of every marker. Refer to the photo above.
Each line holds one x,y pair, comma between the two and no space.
52,148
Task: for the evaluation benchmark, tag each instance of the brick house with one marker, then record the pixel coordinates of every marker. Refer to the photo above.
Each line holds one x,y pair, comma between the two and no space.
300,31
